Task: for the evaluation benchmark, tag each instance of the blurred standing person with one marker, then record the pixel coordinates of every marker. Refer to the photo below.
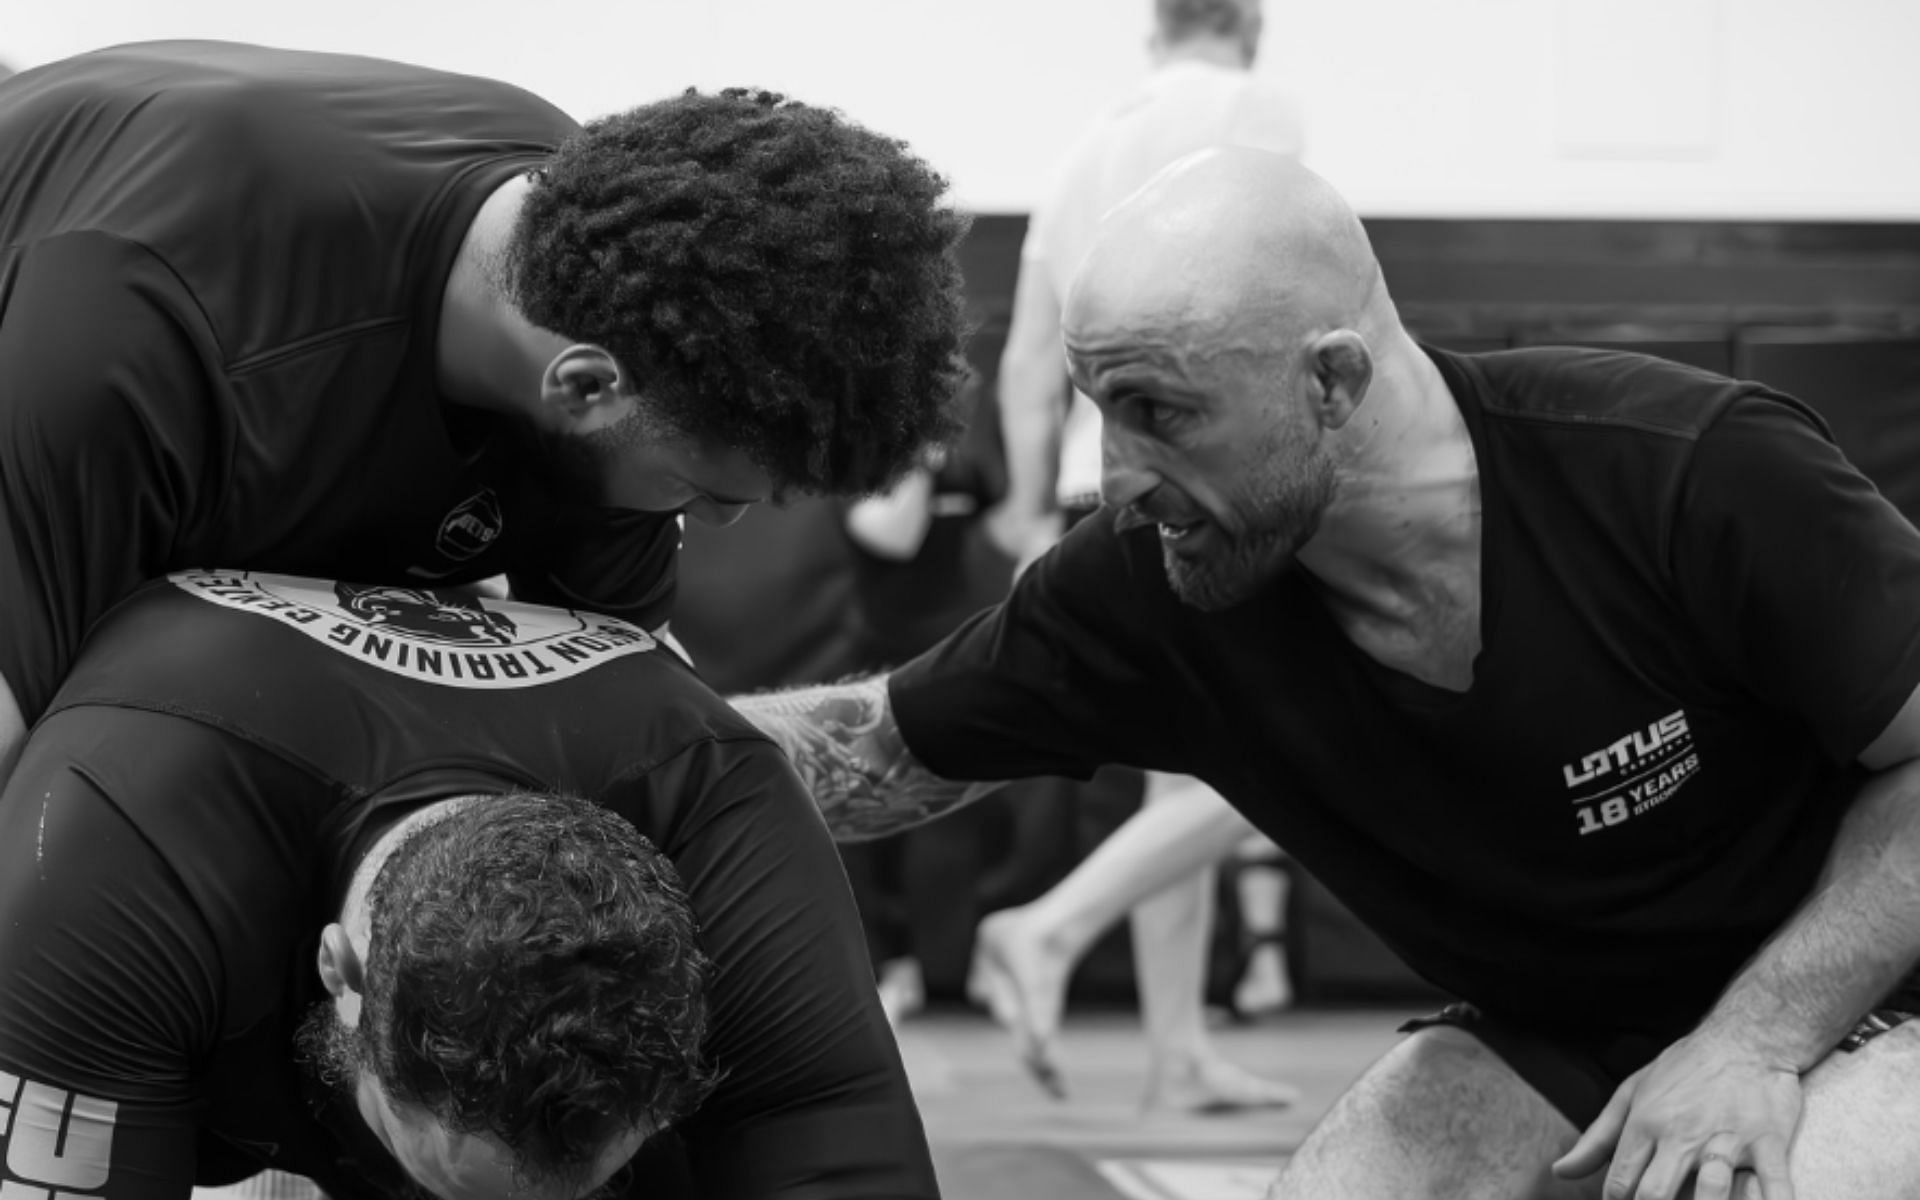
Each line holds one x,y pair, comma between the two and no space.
1202,92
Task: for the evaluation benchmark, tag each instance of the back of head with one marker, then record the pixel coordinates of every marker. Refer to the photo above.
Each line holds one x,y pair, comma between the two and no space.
533,975
1180,21
776,278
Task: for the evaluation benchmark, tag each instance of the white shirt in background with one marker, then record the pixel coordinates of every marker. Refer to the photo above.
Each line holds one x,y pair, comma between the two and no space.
1182,107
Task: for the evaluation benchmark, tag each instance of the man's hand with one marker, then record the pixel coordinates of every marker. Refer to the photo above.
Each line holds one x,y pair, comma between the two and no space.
1704,1109
1023,535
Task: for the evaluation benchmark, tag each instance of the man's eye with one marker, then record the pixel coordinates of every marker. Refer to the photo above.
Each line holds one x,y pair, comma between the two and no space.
1155,415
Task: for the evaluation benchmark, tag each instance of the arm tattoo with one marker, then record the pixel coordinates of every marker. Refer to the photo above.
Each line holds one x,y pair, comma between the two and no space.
843,740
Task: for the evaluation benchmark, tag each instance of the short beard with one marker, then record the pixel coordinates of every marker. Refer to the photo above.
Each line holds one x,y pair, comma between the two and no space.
573,466
1284,502
332,1052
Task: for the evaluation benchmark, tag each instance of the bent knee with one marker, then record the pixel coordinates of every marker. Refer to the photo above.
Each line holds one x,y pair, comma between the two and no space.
1856,1134
1444,1081
1441,1114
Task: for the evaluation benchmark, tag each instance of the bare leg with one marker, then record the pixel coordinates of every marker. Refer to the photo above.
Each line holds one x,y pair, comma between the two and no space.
13,731
1024,956
1857,1138
1172,932
1439,1117
1261,884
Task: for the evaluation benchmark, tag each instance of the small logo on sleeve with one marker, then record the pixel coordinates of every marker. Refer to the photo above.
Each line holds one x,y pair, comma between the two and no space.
432,635
1632,775
473,525
59,1143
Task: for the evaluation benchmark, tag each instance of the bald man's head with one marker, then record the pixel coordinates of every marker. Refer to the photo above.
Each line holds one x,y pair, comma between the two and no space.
1221,322
1236,242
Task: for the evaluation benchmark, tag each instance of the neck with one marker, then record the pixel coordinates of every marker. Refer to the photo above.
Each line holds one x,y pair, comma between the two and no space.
1221,52
1408,500
486,354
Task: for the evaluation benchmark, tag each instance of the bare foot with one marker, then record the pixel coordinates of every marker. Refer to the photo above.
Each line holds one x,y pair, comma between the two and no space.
1022,980
1264,988
903,990
1208,1085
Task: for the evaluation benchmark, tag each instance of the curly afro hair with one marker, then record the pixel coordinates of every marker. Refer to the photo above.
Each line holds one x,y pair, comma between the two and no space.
778,278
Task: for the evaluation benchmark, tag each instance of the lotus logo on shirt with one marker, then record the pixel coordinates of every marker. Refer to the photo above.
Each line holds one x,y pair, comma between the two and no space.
473,525
1633,774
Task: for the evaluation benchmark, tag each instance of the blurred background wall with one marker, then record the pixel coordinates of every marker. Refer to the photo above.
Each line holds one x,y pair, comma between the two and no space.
1741,109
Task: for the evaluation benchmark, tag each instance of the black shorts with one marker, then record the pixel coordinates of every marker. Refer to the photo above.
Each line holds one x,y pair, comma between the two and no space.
1579,1073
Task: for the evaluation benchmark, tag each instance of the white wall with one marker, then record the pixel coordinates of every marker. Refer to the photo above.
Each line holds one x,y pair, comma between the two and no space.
1733,108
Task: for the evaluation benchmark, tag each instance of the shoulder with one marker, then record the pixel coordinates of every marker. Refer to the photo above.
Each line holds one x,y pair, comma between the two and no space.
1095,552
1639,445
1608,410
1097,585
234,86
148,379
1569,388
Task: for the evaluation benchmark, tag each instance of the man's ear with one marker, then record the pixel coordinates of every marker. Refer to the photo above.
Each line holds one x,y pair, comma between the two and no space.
1343,371
584,389
340,969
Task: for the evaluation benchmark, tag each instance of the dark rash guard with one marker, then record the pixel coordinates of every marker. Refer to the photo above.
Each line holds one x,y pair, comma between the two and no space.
1696,615
221,271
184,822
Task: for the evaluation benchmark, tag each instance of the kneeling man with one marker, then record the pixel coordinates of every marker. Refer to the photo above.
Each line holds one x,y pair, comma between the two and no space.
291,876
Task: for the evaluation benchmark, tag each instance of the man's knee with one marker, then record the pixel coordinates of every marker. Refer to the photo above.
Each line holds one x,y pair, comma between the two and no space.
1440,1115
1444,1081
1857,1130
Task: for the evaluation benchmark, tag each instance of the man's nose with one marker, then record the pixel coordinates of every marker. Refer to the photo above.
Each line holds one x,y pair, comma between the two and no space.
1125,473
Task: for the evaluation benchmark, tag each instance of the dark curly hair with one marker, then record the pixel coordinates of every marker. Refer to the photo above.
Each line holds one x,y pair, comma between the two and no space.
778,279
533,975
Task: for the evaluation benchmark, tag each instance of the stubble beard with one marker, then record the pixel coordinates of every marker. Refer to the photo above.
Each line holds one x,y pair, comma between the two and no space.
329,1051
1284,503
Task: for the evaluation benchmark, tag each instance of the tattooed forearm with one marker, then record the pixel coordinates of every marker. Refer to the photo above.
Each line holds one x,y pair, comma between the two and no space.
843,741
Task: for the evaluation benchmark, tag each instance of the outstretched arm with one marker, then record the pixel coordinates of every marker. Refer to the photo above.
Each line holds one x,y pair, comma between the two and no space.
843,740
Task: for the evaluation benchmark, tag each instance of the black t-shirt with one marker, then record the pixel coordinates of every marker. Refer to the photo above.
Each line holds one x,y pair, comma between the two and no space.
221,271
1695,616
185,820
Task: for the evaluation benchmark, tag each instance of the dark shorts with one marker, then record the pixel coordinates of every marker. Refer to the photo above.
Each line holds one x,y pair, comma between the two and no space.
1578,1073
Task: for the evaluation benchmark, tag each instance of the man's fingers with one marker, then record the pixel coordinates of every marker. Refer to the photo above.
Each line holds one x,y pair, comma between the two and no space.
1770,1167
1590,1153
1713,1178
1645,1170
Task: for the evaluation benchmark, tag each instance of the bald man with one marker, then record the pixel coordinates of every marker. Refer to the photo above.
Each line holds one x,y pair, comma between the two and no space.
1202,92
1585,678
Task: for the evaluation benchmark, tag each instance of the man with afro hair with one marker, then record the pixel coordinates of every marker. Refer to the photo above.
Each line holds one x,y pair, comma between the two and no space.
337,316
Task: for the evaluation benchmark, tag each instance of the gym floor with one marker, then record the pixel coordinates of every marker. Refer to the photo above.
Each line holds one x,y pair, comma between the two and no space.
996,1136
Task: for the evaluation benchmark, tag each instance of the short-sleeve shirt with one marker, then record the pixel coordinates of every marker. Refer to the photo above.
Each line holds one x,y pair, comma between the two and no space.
1695,616
221,273
185,820
1180,108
